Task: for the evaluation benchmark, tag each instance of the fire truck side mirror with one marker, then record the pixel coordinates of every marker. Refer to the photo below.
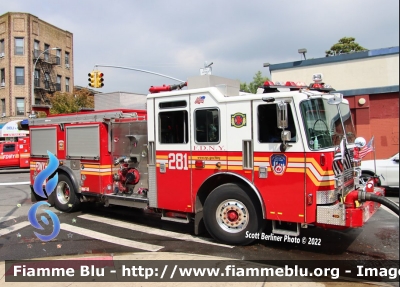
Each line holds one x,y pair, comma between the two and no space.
282,115
335,99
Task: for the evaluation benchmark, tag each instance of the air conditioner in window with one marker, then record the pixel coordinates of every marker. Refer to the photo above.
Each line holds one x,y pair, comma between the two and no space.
1,55
67,66
3,115
3,84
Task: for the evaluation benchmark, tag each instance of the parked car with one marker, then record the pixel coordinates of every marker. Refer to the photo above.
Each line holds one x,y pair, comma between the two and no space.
386,169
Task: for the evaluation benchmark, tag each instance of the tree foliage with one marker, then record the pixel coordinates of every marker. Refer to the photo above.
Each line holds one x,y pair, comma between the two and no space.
344,46
258,81
63,103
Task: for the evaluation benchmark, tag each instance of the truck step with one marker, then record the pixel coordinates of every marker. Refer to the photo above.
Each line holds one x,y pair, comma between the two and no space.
175,216
130,201
292,229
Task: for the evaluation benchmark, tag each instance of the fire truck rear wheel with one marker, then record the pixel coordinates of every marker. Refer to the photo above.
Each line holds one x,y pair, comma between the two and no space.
64,197
231,216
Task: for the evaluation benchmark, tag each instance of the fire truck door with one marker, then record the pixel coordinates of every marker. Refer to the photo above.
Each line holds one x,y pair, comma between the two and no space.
9,155
209,139
279,176
172,127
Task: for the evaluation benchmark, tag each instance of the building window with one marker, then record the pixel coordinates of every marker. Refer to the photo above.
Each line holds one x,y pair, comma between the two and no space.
58,57
58,85
46,52
19,75
2,78
67,60
46,81
36,49
20,106
67,85
3,107
207,126
19,46
37,78
1,48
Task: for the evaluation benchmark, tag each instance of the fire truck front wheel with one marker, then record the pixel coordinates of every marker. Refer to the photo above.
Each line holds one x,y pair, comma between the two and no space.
231,216
64,197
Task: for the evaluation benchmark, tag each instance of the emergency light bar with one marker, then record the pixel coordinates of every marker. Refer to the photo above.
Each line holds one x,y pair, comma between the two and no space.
271,87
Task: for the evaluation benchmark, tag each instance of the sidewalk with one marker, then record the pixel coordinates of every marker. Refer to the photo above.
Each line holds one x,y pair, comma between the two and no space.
166,256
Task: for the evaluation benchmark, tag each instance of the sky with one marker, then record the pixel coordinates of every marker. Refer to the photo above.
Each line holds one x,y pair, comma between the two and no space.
176,37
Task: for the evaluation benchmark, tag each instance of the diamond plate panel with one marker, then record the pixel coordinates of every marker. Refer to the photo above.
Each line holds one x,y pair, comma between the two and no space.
326,196
332,214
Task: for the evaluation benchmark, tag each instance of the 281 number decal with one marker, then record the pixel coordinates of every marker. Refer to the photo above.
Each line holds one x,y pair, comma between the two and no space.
177,161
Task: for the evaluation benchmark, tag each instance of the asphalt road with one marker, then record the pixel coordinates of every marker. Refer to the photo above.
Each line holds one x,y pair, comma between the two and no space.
97,229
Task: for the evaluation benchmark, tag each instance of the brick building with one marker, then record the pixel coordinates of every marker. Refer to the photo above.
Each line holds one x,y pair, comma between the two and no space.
28,43
368,80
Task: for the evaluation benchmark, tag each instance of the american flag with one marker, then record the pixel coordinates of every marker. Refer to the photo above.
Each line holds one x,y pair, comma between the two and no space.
367,148
341,160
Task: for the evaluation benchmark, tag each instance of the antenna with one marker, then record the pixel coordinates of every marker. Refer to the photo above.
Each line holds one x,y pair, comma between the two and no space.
207,70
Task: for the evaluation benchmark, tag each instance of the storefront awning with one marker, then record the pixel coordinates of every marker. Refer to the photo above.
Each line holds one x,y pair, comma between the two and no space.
11,129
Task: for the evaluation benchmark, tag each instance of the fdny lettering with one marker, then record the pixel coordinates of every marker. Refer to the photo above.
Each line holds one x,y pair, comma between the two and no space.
209,148
8,156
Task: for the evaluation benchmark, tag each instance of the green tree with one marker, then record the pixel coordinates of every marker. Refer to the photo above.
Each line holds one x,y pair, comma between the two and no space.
344,46
64,103
258,81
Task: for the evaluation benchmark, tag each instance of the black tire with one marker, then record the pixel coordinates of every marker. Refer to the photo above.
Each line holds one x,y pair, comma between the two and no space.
64,195
230,214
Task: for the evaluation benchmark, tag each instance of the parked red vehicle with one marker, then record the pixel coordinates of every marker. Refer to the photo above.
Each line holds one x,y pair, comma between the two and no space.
15,154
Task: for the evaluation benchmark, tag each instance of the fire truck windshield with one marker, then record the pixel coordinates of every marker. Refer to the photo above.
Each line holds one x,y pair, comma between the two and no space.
324,124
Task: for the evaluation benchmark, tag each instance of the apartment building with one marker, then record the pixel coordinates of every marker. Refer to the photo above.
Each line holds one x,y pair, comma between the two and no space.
36,60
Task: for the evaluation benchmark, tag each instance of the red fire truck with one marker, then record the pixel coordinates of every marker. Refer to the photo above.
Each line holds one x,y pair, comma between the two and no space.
15,154
215,156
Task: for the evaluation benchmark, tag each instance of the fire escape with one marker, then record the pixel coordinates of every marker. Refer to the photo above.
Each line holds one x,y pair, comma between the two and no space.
45,76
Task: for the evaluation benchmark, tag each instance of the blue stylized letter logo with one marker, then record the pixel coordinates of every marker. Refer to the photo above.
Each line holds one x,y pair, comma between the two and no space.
38,189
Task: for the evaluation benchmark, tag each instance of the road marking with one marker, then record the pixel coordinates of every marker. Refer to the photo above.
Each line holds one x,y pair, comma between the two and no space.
6,218
109,238
151,230
14,227
15,183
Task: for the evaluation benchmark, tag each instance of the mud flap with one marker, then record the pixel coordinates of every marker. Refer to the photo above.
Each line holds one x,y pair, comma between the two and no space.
199,227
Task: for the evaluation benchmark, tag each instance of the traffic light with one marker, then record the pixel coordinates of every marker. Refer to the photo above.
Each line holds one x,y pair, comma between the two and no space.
99,80
92,79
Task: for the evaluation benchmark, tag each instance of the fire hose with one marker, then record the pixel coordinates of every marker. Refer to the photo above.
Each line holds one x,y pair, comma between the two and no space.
368,196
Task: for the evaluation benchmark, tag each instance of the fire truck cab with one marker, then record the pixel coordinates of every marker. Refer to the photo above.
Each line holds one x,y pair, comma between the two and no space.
15,154
211,154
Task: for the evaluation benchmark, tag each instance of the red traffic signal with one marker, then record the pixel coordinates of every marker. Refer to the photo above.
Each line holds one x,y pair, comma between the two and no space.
100,80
